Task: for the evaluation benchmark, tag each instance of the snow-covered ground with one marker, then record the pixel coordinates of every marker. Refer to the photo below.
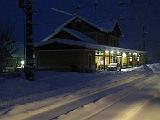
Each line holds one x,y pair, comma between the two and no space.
60,93
155,67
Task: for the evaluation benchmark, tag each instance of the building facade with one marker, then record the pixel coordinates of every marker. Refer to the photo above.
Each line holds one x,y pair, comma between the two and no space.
79,45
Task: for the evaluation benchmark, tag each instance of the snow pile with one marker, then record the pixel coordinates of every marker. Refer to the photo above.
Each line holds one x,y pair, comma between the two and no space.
149,68
129,69
155,67
143,68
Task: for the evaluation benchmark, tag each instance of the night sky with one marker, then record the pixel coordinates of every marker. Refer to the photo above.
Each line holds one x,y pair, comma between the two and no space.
136,14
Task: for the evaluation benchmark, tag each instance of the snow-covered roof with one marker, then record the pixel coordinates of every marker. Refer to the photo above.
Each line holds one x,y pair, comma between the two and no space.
102,28
80,35
73,32
58,29
86,41
86,45
62,41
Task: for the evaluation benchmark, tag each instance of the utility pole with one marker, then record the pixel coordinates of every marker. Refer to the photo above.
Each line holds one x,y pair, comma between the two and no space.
29,70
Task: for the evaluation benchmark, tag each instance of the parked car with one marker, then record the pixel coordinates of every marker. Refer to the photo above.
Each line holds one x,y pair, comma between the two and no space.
114,67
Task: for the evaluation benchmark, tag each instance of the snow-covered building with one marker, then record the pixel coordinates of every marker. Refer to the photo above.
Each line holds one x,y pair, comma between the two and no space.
79,45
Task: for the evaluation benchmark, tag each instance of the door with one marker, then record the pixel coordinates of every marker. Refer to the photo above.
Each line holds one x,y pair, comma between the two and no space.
89,61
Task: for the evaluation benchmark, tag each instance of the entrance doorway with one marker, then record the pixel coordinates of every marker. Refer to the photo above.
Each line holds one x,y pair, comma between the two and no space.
89,61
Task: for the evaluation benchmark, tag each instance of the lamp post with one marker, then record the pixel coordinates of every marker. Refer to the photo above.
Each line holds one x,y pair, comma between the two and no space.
29,70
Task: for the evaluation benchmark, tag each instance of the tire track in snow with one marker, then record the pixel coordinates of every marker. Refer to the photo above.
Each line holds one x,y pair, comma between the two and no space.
70,103
87,99
83,113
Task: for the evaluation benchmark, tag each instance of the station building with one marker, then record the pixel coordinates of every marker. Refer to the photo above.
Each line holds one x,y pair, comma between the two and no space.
79,45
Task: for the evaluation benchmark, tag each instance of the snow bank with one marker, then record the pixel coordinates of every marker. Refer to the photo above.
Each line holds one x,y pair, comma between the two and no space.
155,67
149,68
144,68
141,69
129,69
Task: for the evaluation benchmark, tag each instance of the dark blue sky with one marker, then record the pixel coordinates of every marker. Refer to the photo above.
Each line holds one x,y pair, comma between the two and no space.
107,10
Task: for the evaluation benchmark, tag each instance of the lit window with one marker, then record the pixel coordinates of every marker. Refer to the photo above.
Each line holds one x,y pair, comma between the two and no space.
106,51
112,52
124,55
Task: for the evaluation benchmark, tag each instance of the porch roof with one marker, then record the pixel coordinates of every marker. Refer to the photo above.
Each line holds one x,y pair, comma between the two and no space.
86,45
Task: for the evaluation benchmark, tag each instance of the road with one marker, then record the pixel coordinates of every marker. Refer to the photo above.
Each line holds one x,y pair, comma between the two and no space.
134,98
141,103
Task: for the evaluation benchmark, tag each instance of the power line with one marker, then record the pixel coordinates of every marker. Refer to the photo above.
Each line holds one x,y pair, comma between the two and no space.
61,11
123,3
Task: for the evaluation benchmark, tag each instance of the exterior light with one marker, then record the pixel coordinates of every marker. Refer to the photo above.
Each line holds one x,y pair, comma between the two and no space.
124,55
118,52
119,56
130,59
112,52
107,51
102,62
22,62
135,54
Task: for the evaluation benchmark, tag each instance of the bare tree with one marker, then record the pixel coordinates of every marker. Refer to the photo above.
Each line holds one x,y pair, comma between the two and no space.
7,43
